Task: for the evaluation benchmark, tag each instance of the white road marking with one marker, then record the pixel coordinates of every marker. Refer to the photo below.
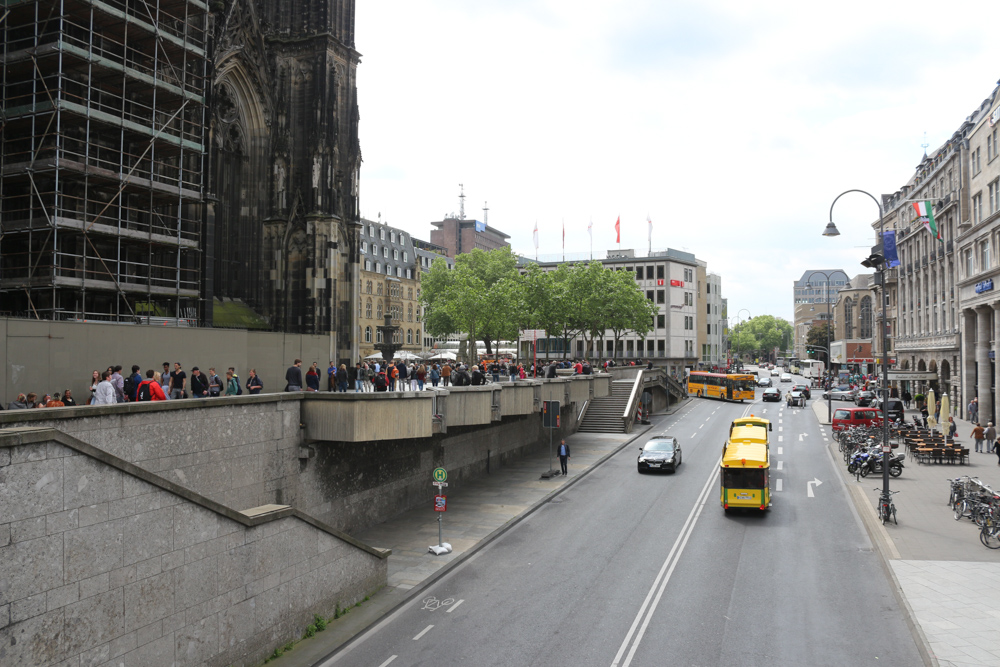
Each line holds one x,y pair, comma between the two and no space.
781,428
780,438
693,434
800,437
779,450
453,607
809,487
825,438
777,485
700,425
388,661
780,464
423,632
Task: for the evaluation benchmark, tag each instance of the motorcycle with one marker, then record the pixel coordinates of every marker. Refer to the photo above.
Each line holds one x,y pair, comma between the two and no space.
874,465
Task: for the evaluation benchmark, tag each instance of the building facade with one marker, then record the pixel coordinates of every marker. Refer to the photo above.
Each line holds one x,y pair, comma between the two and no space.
854,325
712,352
457,236
812,292
389,285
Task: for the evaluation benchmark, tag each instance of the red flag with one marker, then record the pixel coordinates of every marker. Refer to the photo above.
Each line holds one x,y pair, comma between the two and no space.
618,229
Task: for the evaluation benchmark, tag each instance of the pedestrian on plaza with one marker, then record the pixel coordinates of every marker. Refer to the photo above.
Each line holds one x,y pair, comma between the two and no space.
178,382
331,377
907,398
165,379
478,377
550,372
924,414
68,399
232,384
199,384
118,382
214,384
401,375
343,378
312,377
293,376
105,394
421,377
254,383
20,403
132,384
989,435
359,378
952,428
380,382
95,378
563,452
150,389
435,375
392,375
445,374
978,434
996,450
973,410
369,375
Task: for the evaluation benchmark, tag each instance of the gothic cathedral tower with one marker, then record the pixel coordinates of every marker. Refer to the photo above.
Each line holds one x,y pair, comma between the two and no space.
281,234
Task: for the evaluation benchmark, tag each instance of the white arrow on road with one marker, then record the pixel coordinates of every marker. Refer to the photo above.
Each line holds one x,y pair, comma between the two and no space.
809,487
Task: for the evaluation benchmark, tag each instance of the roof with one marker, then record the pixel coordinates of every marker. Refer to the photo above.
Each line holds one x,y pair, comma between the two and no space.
745,455
756,433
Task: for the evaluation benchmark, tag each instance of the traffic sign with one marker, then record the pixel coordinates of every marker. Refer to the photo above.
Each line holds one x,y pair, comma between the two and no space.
440,475
440,503
550,414
439,484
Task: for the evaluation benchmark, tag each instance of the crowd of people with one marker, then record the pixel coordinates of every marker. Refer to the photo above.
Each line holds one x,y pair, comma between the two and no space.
173,382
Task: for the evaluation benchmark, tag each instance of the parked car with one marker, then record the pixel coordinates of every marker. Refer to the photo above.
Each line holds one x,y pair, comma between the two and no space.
771,394
841,393
844,417
786,377
894,408
864,398
804,388
764,382
660,453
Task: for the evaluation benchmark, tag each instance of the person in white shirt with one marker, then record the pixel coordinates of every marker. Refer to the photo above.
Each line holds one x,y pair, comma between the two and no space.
105,394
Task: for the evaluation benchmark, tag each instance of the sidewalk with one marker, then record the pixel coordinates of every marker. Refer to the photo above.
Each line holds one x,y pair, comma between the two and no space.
948,581
475,517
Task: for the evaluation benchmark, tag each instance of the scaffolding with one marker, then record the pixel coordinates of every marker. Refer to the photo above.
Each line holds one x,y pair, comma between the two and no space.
101,165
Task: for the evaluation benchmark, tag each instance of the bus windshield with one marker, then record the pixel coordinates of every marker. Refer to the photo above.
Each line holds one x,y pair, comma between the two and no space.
742,478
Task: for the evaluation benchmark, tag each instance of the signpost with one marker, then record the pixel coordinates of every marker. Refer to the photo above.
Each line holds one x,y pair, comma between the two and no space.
551,421
440,475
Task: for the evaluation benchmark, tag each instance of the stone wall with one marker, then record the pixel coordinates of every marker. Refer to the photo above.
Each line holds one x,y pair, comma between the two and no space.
104,563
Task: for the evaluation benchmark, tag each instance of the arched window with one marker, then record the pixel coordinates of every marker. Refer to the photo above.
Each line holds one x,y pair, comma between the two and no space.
397,336
368,287
368,334
379,290
409,313
409,293
409,336
368,309
375,250
418,313
385,251
418,334
378,310
848,318
395,253
378,335
866,317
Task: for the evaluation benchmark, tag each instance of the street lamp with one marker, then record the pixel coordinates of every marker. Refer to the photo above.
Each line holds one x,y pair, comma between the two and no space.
749,317
876,261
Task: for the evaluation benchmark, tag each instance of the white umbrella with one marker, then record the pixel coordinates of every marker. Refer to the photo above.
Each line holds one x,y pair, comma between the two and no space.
931,404
406,355
377,355
445,355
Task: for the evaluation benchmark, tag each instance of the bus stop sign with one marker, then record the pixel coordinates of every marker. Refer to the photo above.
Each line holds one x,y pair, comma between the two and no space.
440,503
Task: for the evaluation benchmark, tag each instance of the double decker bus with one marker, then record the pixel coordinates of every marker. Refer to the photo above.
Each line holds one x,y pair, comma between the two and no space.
728,387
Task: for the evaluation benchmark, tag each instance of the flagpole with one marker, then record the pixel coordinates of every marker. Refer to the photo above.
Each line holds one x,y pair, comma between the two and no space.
564,239
590,230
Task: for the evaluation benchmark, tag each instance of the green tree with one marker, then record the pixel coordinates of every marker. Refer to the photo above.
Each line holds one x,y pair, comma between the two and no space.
760,335
624,306
817,335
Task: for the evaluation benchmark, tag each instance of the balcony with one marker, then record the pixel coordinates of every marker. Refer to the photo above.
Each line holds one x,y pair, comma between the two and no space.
950,247
933,257
923,262
940,252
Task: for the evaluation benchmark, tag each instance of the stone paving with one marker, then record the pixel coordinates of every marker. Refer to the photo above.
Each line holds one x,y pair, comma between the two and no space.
950,582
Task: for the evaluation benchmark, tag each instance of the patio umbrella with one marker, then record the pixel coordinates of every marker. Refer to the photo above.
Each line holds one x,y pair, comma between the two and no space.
931,404
945,411
445,355
377,355
406,355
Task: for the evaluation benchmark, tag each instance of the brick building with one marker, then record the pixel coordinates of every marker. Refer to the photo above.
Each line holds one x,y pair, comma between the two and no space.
458,236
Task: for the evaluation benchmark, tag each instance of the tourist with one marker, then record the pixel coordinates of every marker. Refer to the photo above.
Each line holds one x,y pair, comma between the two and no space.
254,383
445,374
105,393
343,378
293,376
312,377
232,384
68,399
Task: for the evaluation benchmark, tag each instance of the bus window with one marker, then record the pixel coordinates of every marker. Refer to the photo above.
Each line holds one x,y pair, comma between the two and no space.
743,478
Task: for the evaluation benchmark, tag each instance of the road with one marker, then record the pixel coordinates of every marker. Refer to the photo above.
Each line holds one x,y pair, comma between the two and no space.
629,569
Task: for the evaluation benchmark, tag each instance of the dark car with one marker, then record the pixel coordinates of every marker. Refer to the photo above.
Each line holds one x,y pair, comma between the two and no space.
894,408
864,398
660,453
804,388
771,394
764,382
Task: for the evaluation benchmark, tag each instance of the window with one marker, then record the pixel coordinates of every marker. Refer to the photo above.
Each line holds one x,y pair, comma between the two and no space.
409,312
364,247
984,255
661,321
395,254
406,257
688,298
866,317
977,165
969,270
638,273
385,251
368,265
848,318
994,196
368,334
399,272
368,309
659,271
409,336
409,293
371,231
392,237
649,294
378,268
660,296
381,234
368,287
378,310
409,274
709,329
379,290
378,335
977,209
708,307
375,250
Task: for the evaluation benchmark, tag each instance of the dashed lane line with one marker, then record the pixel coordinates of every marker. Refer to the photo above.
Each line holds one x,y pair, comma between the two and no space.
453,607
391,658
423,632
780,464
780,450
777,485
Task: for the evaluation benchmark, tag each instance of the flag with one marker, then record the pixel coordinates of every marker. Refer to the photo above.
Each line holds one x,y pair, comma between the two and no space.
650,221
536,235
926,215
889,248
480,226
564,234
590,229
618,229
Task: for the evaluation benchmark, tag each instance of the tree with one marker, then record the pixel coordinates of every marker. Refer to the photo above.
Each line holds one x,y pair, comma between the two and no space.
760,334
817,335
624,306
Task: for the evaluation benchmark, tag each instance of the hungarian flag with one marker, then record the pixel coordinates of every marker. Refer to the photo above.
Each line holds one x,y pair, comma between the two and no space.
618,229
926,216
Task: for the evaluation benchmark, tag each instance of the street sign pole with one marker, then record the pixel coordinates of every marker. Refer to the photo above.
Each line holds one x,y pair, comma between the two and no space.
440,506
550,420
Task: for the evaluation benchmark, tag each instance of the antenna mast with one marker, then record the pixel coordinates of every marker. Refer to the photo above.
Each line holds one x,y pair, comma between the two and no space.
486,213
925,145
461,202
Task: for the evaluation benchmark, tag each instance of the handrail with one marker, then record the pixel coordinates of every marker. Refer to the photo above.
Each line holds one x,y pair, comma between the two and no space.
634,395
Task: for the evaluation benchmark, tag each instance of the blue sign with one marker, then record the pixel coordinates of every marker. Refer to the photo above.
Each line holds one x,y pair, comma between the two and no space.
984,286
889,244
480,226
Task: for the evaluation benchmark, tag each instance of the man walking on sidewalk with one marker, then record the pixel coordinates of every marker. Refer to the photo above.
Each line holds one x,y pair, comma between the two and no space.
973,411
989,437
977,435
563,456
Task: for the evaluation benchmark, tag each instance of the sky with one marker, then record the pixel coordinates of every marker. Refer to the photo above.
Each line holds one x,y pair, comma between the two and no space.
731,125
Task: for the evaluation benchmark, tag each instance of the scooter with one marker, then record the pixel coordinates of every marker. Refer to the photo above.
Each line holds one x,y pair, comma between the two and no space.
874,465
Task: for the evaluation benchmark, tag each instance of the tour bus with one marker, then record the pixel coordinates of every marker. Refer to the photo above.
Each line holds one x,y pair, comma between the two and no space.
746,465
731,387
812,369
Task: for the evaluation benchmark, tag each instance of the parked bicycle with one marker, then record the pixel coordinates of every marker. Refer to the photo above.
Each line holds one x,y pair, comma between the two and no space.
886,508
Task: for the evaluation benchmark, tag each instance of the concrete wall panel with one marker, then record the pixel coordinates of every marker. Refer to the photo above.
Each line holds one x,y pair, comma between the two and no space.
363,417
518,398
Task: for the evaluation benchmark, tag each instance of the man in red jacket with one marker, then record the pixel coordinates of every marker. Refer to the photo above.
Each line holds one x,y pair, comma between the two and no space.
150,390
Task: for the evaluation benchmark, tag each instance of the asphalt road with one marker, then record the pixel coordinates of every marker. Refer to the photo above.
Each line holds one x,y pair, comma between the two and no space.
630,569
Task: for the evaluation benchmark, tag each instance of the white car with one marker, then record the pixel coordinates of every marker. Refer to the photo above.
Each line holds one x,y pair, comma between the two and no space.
786,377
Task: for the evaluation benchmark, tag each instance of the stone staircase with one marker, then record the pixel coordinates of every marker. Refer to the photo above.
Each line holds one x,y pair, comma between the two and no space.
604,415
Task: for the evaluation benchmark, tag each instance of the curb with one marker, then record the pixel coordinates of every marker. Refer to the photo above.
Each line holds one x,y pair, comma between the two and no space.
419,589
886,549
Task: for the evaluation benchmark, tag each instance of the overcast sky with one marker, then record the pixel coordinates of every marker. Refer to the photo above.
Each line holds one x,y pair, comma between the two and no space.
732,125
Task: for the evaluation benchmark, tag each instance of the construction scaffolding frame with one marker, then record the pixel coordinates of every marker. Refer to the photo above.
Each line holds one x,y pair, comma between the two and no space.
102,159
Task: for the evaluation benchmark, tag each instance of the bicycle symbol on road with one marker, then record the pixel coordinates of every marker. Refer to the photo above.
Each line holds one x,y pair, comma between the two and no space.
433,604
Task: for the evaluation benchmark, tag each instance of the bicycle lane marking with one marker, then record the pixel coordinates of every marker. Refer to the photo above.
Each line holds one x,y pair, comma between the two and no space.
645,614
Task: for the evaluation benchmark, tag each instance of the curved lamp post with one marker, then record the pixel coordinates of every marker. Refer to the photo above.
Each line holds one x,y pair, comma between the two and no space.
875,261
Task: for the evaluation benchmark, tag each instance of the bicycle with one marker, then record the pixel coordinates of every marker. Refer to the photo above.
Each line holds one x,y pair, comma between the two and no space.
989,534
886,507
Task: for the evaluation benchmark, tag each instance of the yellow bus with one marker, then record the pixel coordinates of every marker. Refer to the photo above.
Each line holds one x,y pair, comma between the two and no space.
746,465
731,387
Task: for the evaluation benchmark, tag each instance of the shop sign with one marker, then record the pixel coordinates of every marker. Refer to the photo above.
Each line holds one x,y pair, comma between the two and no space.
984,286
677,283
